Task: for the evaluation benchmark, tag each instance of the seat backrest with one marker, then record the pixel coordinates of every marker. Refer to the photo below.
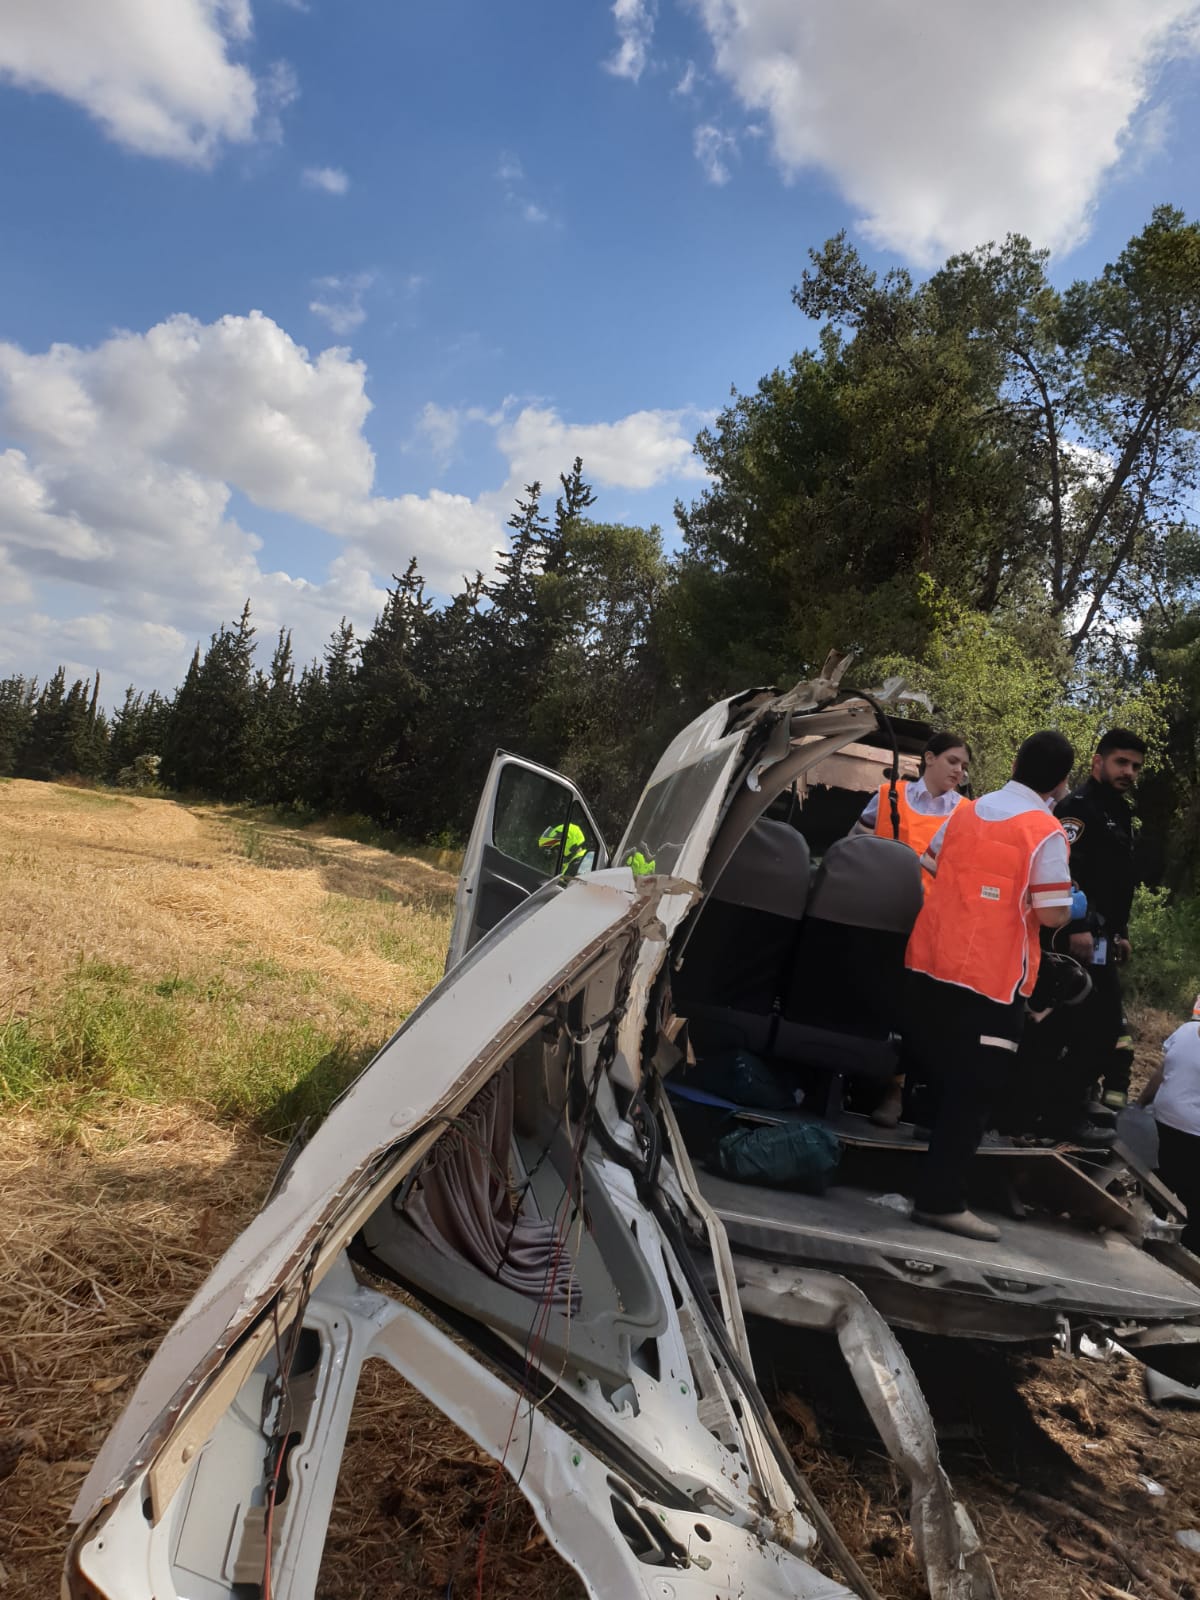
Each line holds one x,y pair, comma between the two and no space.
739,952
849,967
868,882
769,871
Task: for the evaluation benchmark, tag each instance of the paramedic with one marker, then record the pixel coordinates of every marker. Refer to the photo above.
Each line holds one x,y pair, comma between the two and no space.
1173,1093
926,802
1002,874
923,806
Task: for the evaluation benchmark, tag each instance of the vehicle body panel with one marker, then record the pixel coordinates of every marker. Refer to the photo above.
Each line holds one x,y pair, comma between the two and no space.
670,1471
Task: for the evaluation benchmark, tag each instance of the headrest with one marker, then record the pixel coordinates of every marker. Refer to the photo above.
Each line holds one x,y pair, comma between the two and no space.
769,871
868,882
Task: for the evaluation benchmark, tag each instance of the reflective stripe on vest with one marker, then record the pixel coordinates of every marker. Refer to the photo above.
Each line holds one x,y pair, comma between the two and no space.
977,928
917,831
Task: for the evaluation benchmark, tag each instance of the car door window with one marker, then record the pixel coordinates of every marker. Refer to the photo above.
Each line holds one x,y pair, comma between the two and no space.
533,813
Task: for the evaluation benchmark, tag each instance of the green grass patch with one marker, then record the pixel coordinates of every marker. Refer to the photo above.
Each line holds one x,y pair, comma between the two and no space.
89,797
181,1039
412,936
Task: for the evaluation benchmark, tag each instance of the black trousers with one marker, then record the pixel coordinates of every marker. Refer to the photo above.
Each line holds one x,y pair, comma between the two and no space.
1092,1032
1064,1054
966,1047
1179,1169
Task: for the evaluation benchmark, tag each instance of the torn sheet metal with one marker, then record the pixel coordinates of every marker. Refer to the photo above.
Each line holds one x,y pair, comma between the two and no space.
947,1544
619,1540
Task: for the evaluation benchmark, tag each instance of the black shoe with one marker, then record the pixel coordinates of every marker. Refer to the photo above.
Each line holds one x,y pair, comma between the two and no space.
1090,1136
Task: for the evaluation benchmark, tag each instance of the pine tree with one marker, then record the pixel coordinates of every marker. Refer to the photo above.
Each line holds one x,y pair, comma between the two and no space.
17,699
44,751
391,693
274,721
207,745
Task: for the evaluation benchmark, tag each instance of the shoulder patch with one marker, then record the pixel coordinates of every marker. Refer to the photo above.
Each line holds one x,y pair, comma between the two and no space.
1073,828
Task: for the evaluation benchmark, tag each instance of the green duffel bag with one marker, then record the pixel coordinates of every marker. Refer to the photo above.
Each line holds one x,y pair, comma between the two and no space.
786,1155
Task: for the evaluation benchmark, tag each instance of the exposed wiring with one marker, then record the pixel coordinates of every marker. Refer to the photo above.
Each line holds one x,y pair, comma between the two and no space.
569,1209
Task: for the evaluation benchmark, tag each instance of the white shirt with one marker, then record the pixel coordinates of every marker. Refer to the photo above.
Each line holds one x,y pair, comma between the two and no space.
1050,873
1177,1102
919,798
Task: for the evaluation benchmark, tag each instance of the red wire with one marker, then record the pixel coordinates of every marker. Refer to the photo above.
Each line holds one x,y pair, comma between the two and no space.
272,1491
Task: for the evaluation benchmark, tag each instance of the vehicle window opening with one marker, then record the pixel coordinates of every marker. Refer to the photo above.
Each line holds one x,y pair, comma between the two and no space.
411,1488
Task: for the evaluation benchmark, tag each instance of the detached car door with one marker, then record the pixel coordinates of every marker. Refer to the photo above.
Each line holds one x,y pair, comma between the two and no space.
532,827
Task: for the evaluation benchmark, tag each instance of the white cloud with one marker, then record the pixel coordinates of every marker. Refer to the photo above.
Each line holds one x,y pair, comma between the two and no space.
711,147
635,33
157,75
277,90
440,426
340,303
118,524
332,180
950,124
511,174
638,452
687,82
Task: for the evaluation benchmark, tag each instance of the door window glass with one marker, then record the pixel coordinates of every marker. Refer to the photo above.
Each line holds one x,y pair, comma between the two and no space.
532,814
582,843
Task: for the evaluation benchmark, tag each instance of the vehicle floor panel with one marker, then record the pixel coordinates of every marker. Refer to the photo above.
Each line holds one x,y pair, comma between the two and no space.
848,1224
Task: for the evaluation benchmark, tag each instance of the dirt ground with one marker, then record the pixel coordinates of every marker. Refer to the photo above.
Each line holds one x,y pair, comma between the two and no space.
107,1233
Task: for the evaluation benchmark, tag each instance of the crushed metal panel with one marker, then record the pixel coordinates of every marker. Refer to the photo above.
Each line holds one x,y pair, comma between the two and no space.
946,1542
183,1492
434,1059
619,1539
859,768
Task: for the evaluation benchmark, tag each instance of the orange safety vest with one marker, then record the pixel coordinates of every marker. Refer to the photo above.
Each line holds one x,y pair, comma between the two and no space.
917,831
977,928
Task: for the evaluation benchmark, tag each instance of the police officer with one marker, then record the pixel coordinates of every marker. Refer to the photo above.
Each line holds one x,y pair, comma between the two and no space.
1098,821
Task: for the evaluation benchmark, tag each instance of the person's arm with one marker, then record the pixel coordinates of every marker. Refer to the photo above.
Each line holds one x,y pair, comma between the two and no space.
1050,887
1081,931
930,859
870,812
1147,1095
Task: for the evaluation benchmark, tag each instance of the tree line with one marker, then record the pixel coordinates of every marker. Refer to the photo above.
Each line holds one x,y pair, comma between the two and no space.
979,480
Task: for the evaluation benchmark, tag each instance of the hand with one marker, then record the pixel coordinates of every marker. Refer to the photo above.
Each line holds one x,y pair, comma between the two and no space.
1122,950
1082,946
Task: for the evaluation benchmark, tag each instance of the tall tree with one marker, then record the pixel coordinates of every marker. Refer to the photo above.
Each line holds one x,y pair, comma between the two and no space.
1014,443
274,719
18,696
207,743
391,690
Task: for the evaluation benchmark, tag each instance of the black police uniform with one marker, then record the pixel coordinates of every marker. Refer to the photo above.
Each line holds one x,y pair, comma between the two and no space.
1099,823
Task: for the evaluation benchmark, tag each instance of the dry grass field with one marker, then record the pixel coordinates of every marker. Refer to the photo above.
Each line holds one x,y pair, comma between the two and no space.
178,986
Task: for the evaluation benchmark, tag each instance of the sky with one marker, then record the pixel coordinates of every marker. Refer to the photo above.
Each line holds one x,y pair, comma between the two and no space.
293,290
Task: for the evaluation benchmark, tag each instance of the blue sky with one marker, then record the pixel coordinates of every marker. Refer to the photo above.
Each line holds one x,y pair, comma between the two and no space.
292,291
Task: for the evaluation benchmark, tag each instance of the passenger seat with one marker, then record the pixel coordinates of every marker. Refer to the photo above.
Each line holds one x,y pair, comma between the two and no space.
739,955
843,1000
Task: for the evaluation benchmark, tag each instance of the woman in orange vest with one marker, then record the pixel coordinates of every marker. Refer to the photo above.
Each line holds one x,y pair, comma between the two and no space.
925,802
1003,874
923,805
